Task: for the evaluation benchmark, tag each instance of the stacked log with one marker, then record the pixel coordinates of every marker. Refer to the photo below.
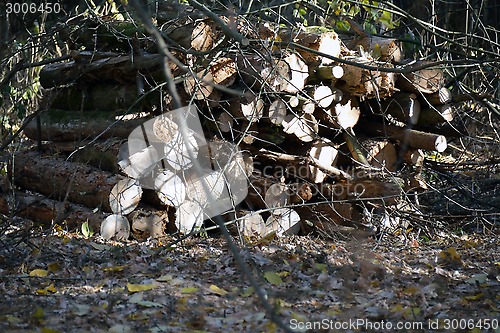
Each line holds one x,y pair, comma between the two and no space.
331,120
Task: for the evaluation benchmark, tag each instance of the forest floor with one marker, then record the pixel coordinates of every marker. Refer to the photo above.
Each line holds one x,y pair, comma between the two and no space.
65,283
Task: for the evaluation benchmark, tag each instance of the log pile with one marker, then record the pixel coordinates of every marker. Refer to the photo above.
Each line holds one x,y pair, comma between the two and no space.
324,126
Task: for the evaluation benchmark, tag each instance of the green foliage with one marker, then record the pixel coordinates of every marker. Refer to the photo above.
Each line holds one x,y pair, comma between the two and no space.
375,19
87,231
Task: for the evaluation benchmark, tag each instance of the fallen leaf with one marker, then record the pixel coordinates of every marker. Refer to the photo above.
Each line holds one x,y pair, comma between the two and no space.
474,297
133,288
189,290
273,278
114,268
247,292
39,272
54,267
217,290
48,290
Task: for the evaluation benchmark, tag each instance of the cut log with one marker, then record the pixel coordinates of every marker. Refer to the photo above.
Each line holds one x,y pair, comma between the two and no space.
258,72
434,115
224,71
115,226
409,137
248,106
139,164
125,196
381,48
189,217
252,225
170,188
148,223
57,178
298,73
277,196
58,125
325,153
199,86
114,67
414,157
363,82
344,114
283,221
105,96
376,190
403,107
43,210
199,35
323,96
381,154
442,97
197,192
304,127
326,73
302,104
326,42
427,81
277,111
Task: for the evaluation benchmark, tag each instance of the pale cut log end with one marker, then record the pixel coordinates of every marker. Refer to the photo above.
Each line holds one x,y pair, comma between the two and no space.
115,226
283,221
125,196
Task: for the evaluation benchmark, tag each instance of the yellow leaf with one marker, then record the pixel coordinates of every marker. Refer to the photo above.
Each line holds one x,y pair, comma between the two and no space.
39,313
273,278
54,267
39,272
247,292
411,290
453,253
48,290
114,268
189,290
474,297
217,290
139,287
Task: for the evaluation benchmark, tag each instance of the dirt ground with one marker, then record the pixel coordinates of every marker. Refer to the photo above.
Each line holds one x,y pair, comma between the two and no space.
65,283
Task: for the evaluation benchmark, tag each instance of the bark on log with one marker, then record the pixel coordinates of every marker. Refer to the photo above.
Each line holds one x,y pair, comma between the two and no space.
114,67
58,178
441,97
381,48
434,115
326,73
43,210
409,137
404,107
58,125
326,42
148,223
107,97
381,154
199,86
363,82
257,72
